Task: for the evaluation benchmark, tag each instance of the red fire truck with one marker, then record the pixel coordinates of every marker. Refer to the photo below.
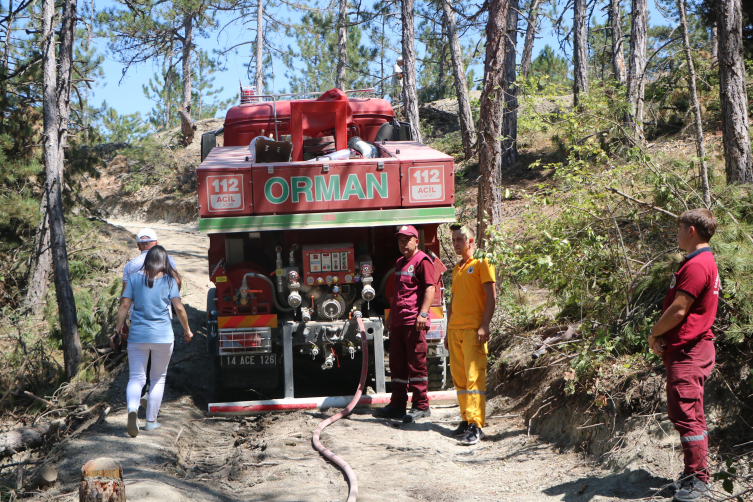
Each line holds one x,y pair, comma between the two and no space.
300,241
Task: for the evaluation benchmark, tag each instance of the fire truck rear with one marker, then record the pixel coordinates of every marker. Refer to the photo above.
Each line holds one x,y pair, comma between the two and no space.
299,241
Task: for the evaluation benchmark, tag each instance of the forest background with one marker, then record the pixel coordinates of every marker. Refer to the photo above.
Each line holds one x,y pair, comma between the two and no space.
592,120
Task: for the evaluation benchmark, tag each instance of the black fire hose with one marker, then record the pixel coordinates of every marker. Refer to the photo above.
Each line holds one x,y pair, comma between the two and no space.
352,481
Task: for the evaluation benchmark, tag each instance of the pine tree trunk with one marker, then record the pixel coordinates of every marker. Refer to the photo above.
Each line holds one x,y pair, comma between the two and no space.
259,47
467,127
510,117
342,41
735,129
40,262
618,58
186,124
89,27
442,51
410,93
714,43
636,82
580,51
41,256
382,77
8,33
169,89
700,148
490,120
533,21
56,106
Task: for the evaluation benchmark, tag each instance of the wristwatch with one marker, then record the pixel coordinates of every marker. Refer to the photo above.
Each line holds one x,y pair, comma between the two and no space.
424,314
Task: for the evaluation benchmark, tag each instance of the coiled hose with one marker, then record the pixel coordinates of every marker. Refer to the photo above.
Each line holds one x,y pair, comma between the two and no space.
349,473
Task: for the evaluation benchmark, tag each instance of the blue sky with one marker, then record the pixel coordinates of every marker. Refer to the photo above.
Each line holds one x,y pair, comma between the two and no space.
127,96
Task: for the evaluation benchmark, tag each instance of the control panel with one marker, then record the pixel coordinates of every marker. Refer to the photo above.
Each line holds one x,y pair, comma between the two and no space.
328,264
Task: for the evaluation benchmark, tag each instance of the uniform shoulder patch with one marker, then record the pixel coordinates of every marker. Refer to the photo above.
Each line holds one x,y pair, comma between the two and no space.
470,270
410,268
673,283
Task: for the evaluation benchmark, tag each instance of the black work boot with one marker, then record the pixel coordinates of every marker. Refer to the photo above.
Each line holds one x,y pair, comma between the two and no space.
691,488
472,435
461,429
389,412
414,414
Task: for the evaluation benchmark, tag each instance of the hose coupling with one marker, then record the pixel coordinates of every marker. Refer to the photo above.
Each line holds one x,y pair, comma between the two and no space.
329,362
305,314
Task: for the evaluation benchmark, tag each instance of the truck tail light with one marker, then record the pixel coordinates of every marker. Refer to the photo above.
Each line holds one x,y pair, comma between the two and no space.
245,340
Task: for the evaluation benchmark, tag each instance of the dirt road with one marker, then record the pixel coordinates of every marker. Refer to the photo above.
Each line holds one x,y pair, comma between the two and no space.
197,458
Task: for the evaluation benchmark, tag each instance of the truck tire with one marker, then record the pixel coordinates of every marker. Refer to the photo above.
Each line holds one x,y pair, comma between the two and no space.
439,375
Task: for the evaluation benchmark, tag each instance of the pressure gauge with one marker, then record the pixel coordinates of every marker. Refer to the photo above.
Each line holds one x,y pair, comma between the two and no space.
310,280
329,279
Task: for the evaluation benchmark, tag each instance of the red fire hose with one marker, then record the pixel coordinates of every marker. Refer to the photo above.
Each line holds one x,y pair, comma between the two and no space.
352,481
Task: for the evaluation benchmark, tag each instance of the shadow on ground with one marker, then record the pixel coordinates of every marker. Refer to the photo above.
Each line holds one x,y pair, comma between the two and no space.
629,485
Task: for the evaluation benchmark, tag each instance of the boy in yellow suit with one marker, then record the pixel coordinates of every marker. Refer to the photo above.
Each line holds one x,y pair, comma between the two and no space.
474,288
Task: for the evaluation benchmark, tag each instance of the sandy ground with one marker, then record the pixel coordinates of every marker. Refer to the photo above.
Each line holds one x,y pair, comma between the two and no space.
198,458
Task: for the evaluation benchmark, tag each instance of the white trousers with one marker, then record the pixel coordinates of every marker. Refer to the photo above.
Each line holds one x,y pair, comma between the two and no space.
138,356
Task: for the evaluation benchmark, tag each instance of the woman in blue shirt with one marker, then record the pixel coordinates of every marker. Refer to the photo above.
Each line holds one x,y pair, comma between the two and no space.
151,290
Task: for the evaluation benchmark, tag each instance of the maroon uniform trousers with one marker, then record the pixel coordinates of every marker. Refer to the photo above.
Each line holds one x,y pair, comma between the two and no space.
687,370
408,367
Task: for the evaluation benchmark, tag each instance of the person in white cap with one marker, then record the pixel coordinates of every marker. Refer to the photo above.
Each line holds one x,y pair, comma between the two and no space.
146,239
397,72
397,80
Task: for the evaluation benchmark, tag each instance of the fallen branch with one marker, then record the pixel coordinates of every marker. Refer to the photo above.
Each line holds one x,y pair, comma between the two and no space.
553,336
645,204
177,438
102,416
589,426
530,420
22,439
41,400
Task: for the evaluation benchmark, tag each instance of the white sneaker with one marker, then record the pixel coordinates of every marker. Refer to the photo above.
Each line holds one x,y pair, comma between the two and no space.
150,426
133,423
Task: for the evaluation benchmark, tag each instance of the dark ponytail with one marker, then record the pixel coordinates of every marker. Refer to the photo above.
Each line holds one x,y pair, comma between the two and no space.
157,261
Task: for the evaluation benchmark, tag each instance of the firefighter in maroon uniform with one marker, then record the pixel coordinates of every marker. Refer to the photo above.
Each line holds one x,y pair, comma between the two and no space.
408,321
683,337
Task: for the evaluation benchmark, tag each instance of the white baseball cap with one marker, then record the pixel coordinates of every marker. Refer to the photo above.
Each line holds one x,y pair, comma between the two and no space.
146,235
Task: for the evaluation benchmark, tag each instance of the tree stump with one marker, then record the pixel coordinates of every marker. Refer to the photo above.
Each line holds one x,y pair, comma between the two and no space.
101,481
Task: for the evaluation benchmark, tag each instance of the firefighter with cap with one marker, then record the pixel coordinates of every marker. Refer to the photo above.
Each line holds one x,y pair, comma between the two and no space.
469,314
408,321
146,239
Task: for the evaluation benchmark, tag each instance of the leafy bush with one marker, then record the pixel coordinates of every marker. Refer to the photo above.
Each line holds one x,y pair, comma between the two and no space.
605,260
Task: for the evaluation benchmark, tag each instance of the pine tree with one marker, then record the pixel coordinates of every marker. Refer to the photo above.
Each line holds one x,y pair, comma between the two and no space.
164,91
316,43
148,30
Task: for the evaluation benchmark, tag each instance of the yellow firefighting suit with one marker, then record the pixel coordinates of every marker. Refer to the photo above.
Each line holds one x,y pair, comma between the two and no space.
468,365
